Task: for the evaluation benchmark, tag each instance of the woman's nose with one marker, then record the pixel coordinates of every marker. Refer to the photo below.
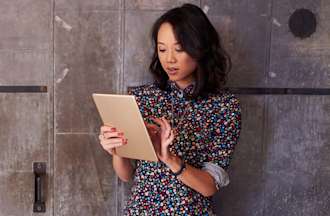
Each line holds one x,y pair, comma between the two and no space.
170,57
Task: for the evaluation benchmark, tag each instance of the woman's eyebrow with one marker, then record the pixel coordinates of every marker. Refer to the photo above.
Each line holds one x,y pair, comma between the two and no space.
159,42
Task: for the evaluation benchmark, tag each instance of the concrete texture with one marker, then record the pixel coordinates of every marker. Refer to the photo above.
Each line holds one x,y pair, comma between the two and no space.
244,29
87,60
138,46
26,126
297,151
24,139
156,5
301,63
85,5
280,165
85,183
25,42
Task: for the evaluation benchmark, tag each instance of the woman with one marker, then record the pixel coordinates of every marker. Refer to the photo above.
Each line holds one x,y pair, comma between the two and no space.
193,123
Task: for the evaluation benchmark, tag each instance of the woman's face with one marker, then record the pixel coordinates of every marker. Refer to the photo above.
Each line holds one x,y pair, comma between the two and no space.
179,66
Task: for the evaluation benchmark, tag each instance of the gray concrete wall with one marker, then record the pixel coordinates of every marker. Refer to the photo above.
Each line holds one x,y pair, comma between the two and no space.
281,164
26,118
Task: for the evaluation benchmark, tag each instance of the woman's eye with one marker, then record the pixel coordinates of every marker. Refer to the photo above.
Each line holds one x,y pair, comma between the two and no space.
179,49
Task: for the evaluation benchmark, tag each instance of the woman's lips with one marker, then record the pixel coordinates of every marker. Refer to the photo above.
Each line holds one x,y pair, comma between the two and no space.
172,71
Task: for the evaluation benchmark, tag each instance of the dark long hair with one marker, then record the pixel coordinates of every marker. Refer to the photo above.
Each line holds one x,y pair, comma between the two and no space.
200,40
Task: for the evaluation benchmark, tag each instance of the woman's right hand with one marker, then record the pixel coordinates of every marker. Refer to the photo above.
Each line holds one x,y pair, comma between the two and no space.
111,138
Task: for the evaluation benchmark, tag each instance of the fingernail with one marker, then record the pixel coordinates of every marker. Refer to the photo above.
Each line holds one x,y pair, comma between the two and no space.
121,133
113,129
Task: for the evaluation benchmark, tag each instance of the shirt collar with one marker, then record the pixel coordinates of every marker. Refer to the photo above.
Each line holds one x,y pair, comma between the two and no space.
175,88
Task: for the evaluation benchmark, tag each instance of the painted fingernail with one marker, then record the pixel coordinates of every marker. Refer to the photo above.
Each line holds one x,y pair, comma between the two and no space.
113,129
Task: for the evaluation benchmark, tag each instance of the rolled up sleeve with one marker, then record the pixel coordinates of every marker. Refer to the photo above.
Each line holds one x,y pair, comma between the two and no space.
219,175
222,140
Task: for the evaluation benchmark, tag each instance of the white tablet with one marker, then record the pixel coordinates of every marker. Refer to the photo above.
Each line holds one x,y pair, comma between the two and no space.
123,112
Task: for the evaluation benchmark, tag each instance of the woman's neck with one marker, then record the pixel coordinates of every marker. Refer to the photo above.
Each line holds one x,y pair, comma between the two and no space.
184,84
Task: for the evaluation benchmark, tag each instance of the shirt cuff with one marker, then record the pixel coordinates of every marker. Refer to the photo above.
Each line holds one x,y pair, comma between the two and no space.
220,176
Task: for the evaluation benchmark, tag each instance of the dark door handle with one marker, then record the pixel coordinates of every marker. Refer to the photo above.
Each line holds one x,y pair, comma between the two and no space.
39,169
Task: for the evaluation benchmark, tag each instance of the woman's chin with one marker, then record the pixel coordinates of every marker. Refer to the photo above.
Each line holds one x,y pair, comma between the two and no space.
173,78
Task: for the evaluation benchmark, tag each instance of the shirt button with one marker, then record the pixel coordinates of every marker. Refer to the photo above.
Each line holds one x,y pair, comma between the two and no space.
180,94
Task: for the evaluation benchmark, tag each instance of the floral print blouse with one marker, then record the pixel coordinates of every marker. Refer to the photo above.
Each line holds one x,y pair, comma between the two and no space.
207,131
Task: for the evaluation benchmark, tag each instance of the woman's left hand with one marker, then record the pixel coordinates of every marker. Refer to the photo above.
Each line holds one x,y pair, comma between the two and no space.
163,139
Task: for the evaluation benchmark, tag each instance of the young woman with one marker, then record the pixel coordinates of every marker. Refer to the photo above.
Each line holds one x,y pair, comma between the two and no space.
193,122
